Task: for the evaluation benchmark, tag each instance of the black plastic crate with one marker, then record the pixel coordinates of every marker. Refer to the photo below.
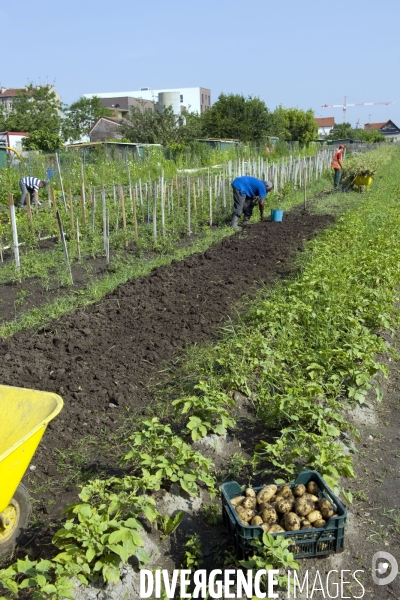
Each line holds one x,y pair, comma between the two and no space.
305,542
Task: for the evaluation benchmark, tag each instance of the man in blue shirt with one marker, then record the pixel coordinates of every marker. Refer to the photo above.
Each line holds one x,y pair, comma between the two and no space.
247,192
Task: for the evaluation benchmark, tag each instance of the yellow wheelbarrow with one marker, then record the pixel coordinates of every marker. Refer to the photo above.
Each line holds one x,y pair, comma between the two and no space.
24,418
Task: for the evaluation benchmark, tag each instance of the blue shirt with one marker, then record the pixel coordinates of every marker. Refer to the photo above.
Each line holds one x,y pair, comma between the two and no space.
250,187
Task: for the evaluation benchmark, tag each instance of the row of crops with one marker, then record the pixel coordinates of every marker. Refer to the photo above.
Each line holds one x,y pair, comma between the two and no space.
146,211
304,353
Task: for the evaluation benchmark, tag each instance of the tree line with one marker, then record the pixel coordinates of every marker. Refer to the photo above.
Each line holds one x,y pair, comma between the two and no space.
49,123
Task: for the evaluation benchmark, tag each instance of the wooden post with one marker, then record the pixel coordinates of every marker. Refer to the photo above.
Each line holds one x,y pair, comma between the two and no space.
188,207
122,199
211,207
134,213
93,201
28,209
155,211
305,189
53,201
14,231
77,238
162,205
61,182
108,237
83,203
64,245
103,205
71,210
194,197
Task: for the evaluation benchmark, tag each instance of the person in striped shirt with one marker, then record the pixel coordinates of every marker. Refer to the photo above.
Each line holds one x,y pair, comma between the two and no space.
31,185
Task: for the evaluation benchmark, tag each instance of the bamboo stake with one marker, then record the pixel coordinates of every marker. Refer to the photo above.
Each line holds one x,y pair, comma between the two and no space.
14,231
71,210
189,231
64,245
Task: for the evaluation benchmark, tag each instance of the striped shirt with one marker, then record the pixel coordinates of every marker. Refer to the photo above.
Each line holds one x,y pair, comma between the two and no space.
31,182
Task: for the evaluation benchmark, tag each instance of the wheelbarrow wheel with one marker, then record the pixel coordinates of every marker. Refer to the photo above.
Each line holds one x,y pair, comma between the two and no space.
14,519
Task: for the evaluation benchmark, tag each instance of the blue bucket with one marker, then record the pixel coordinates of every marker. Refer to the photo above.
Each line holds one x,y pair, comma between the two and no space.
276,215
49,173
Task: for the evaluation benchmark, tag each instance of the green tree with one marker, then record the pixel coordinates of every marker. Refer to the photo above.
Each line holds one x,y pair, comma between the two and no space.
148,126
342,131
42,139
237,117
295,124
81,115
35,108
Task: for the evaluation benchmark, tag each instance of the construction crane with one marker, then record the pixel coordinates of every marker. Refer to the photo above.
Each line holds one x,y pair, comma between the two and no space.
345,105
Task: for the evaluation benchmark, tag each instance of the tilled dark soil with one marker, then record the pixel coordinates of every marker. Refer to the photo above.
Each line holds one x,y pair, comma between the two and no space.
101,359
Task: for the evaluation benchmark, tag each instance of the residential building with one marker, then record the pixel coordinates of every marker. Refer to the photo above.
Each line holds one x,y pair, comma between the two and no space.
388,129
122,105
196,99
105,128
325,126
8,95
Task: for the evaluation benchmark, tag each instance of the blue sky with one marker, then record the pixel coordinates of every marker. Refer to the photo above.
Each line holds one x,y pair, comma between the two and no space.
286,52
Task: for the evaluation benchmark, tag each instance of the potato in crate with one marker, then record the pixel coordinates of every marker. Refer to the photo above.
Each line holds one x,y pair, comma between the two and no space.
306,511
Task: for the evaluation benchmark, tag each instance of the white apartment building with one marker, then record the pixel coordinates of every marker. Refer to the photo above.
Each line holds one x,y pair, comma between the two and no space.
196,99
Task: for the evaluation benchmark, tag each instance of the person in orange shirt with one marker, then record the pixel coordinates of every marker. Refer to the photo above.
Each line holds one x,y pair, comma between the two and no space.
337,166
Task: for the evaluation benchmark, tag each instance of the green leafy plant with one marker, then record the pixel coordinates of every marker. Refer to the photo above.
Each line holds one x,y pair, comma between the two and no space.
169,524
193,552
104,529
207,411
271,553
160,454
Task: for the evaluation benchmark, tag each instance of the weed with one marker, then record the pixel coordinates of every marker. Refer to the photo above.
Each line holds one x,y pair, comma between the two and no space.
193,552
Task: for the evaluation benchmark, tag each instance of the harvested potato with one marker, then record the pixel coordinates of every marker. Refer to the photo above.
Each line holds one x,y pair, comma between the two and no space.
325,508
250,493
284,506
266,493
299,490
319,524
236,501
312,497
306,524
303,506
257,520
263,506
249,503
273,504
275,529
265,527
246,514
244,523
312,488
314,516
291,522
284,491
269,515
